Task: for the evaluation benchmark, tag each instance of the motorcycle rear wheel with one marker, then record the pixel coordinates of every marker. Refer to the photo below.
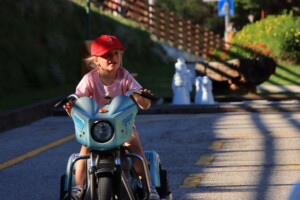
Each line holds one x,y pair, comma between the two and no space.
105,188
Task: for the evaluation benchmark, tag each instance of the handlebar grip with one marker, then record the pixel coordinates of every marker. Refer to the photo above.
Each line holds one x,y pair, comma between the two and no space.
148,96
65,100
61,103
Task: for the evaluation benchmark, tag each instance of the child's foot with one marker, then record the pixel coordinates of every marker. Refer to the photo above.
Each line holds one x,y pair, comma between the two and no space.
153,193
77,192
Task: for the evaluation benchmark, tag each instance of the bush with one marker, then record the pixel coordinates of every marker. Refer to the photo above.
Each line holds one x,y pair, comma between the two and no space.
276,36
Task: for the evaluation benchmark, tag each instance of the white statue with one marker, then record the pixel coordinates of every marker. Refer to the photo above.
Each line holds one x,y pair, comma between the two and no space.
181,83
198,95
207,95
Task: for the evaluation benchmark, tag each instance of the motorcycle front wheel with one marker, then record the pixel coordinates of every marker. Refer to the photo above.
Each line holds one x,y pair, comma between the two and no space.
105,188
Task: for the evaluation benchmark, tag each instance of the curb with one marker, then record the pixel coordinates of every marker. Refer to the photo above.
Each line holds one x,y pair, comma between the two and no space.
255,106
26,115
225,107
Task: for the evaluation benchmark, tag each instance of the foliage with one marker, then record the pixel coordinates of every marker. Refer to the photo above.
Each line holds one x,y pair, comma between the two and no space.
37,49
240,51
280,33
40,49
198,12
206,13
276,36
257,4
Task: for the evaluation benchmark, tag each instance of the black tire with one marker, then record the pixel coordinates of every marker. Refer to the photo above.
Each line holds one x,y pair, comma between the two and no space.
62,187
163,190
105,188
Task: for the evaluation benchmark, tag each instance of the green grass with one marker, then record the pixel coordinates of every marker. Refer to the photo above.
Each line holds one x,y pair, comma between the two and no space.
28,97
285,74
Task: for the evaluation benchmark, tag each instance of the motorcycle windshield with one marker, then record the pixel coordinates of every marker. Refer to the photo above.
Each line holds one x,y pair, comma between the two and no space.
86,106
120,113
119,104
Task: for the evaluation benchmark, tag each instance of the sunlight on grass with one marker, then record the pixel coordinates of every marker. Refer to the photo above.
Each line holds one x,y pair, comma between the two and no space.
285,75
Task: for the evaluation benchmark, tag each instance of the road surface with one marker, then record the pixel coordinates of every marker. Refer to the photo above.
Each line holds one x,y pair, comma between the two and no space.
249,156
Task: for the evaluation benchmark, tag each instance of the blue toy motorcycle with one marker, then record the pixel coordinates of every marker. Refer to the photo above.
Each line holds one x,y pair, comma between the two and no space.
110,172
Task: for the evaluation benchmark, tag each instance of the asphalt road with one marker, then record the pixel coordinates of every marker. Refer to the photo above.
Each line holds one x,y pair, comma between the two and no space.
249,156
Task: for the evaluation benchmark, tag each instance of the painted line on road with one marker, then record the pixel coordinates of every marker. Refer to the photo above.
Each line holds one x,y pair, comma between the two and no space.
297,165
205,160
192,181
262,135
143,121
216,145
35,152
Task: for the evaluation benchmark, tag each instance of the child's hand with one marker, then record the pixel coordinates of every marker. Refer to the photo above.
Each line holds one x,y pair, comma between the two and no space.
143,103
68,106
146,90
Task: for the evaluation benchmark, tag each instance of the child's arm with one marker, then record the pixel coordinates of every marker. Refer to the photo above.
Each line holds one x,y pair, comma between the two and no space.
143,102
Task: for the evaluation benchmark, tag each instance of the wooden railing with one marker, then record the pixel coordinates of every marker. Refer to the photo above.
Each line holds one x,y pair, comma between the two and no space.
166,26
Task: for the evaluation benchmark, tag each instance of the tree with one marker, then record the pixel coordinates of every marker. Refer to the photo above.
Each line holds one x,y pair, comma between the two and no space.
198,12
205,13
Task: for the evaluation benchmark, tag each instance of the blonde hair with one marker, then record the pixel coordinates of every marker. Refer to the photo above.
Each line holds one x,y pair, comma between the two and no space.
90,62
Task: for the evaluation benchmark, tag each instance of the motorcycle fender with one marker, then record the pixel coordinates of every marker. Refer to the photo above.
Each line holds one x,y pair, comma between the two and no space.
154,167
69,172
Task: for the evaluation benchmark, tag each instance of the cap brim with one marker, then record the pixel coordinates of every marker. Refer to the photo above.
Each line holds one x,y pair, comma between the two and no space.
101,53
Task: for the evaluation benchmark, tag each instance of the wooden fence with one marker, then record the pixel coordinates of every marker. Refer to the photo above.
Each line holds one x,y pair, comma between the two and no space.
166,26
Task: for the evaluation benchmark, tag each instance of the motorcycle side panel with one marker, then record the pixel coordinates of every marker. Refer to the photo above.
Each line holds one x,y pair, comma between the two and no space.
154,167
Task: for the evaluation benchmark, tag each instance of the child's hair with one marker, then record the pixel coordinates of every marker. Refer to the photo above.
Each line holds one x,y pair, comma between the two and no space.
90,63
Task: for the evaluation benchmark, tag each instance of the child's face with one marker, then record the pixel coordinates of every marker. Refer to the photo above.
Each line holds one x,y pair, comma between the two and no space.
110,61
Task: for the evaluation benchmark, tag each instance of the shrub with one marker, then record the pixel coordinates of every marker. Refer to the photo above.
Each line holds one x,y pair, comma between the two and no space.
280,34
275,36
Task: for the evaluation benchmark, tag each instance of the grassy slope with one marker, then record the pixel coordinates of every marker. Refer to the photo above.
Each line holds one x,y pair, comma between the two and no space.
40,50
286,74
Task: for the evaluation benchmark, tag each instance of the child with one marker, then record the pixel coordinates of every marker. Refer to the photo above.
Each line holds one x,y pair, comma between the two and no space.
103,83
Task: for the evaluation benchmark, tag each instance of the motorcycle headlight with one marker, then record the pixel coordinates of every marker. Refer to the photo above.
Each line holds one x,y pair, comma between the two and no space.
102,131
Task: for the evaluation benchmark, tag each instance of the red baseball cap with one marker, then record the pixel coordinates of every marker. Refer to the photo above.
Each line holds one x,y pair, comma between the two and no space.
104,44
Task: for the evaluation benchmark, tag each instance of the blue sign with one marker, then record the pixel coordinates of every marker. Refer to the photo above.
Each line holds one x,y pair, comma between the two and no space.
225,7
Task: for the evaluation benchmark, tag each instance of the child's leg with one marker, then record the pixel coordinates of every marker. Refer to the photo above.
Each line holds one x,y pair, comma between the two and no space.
80,173
134,146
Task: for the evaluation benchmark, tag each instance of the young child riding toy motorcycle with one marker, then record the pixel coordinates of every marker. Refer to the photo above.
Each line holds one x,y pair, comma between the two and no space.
106,81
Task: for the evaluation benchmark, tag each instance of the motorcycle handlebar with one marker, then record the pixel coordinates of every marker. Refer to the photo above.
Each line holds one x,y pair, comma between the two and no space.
71,97
148,96
141,93
74,97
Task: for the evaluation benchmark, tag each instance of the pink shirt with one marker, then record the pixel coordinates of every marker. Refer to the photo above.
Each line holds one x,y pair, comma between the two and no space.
92,86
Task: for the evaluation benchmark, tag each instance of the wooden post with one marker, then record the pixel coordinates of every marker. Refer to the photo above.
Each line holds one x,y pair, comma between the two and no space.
180,35
162,25
262,14
189,36
172,31
197,44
